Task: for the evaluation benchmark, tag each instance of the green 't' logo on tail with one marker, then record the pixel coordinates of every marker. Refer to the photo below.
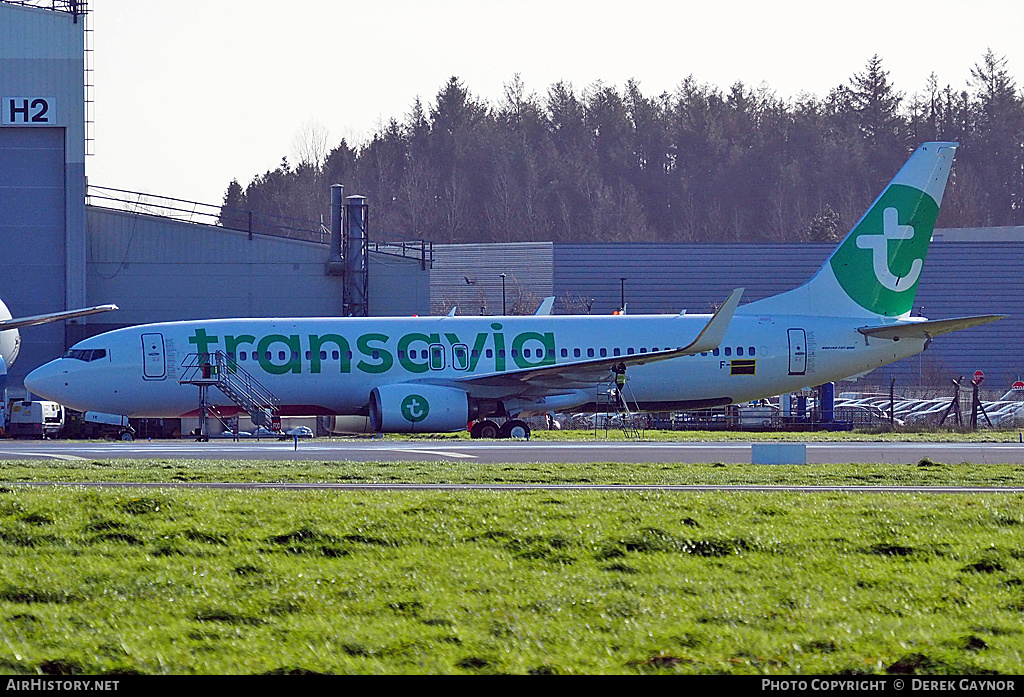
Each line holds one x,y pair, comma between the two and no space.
879,263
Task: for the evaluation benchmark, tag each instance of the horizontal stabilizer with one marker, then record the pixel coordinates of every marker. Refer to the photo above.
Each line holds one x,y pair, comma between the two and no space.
926,330
17,322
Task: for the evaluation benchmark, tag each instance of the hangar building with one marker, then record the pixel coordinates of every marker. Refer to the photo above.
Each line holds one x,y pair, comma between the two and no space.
42,170
68,243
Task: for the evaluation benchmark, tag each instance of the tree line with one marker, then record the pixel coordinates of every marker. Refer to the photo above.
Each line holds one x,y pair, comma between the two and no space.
698,164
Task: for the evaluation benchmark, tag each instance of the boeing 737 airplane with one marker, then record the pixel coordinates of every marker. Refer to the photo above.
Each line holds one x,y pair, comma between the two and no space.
444,373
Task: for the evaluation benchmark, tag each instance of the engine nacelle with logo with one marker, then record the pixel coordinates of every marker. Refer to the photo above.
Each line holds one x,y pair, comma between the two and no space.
408,408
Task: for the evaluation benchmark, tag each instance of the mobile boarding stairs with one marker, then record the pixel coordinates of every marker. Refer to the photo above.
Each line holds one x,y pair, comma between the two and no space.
218,370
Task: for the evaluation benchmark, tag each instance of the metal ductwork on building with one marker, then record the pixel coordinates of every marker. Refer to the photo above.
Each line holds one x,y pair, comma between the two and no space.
356,296
349,251
335,262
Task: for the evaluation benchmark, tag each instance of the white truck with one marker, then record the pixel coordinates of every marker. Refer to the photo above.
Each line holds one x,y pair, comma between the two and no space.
37,419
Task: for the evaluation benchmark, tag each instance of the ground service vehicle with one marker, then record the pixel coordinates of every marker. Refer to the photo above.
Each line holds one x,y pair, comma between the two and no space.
38,419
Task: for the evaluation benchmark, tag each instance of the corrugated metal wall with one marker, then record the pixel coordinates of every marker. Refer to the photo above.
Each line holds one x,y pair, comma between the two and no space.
972,278
32,222
157,269
469,276
664,278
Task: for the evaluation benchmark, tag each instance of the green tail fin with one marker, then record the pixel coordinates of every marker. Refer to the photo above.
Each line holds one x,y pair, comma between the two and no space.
876,268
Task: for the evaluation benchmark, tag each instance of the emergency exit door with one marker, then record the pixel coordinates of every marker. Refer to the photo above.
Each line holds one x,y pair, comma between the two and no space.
797,352
154,364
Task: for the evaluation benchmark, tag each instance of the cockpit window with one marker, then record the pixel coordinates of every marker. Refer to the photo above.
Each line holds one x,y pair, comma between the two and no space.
86,354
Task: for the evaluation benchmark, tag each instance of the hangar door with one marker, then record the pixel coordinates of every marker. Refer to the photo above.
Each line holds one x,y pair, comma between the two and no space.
32,222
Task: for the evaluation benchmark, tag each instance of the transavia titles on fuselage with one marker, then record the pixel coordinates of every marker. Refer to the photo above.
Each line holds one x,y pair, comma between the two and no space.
441,373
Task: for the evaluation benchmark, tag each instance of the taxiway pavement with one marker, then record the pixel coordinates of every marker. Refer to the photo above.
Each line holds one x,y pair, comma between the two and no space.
366,450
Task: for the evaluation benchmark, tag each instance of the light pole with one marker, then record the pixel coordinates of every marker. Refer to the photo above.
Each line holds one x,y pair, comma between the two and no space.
502,294
920,356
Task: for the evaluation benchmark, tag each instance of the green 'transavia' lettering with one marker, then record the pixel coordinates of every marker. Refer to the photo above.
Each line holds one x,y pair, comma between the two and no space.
316,344
547,339
292,363
202,341
403,351
279,354
376,353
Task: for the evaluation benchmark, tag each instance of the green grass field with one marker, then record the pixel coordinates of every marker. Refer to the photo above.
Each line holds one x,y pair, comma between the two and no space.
924,472
164,581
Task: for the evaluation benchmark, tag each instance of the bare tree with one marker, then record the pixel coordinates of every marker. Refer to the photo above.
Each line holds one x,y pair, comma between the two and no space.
312,144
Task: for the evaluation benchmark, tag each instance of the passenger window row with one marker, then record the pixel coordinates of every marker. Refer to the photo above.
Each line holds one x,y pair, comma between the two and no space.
93,354
413,354
603,352
283,355
728,351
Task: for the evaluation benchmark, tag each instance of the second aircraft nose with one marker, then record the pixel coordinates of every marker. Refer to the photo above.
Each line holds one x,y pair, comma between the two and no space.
48,380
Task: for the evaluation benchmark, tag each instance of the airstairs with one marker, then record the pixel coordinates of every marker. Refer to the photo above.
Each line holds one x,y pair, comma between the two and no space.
218,370
614,401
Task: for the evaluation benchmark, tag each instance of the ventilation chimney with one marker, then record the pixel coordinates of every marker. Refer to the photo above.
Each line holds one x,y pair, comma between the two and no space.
336,259
355,257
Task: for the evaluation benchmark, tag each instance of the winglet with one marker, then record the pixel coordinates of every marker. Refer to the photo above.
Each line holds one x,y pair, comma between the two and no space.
714,331
545,306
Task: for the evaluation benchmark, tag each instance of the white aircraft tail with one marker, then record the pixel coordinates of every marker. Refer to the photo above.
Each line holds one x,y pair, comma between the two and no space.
874,272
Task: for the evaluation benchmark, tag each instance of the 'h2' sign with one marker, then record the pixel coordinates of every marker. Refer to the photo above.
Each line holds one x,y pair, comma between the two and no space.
28,111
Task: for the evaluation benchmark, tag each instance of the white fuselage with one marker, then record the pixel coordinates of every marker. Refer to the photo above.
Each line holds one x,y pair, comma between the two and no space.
10,340
330,365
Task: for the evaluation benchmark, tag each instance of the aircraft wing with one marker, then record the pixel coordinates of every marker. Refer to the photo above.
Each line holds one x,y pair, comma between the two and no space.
590,372
928,329
17,322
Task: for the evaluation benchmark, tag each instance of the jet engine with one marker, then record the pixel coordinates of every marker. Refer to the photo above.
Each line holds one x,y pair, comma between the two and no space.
408,408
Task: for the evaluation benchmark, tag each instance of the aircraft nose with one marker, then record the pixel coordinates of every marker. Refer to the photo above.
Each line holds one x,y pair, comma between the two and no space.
48,380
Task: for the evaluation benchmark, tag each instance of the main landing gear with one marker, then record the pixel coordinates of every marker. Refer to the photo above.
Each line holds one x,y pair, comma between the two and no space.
513,428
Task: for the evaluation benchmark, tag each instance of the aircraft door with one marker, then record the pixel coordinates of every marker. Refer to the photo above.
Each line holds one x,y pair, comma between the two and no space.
437,356
460,357
797,352
154,363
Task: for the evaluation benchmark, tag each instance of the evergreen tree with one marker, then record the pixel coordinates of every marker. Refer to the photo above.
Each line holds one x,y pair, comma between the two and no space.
232,209
696,164
998,143
875,104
